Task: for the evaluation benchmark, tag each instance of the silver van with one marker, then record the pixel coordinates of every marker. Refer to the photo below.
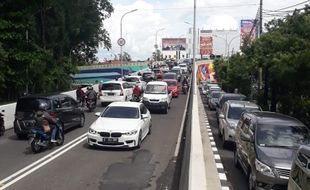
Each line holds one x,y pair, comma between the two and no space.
300,172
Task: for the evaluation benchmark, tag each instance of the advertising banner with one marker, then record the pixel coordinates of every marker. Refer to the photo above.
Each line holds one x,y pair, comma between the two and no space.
173,44
206,45
245,29
206,72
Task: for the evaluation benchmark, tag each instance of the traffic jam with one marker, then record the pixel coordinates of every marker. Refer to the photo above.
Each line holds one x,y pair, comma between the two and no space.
269,148
127,106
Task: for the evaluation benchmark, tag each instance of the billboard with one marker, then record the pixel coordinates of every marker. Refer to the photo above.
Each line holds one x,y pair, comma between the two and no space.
173,44
206,45
246,26
205,71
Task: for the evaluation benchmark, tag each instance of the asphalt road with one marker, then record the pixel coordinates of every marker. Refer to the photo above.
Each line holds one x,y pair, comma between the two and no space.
79,167
237,180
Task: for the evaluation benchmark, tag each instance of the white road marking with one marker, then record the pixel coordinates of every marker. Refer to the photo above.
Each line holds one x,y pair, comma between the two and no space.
217,157
36,165
211,138
225,188
213,143
214,149
222,176
219,165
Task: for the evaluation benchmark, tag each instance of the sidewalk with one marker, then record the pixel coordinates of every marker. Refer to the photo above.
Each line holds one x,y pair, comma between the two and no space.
215,175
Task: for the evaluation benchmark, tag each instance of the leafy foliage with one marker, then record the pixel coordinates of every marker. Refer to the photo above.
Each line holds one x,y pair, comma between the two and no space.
42,42
283,55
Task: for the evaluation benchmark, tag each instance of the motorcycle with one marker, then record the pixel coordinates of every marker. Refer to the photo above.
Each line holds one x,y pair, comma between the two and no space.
184,88
91,104
136,98
2,128
40,138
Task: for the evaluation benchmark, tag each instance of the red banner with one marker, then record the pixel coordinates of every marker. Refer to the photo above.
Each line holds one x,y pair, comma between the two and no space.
206,45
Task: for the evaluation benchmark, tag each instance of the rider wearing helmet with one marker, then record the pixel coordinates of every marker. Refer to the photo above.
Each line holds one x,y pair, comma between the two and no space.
42,116
91,94
80,94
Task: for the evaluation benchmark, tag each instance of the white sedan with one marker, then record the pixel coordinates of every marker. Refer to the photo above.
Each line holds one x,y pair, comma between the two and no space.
121,124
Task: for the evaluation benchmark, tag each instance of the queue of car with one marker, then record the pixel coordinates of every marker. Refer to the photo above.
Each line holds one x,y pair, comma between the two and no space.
271,149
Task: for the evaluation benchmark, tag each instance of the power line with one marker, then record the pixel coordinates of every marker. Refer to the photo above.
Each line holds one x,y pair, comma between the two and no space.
190,8
292,5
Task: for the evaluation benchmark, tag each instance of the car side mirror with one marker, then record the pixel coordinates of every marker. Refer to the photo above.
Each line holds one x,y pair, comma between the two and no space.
246,137
221,116
144,116
97,114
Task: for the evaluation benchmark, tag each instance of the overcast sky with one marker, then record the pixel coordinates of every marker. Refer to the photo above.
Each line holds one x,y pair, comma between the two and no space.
139,27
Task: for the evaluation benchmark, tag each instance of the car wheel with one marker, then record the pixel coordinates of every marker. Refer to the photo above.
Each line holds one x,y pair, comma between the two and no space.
251,182
224,142
150,128
236,161
82,121
139,140
166,110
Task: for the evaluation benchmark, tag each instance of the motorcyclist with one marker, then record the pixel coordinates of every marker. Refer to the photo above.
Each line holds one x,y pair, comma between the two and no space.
91,94
185,83
42,116
137,91
80,94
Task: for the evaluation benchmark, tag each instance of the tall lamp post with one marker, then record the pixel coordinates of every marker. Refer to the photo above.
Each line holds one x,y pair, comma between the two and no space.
230,44
226,43
121,41
156,45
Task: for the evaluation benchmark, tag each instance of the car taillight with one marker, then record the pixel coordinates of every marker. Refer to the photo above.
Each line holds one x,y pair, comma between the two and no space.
121,94
53,115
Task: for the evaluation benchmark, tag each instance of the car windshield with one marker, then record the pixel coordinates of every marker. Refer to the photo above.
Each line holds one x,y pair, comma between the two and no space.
182,65
171,83
235,112
132,79
155,89
121,112
147,74
282,136
31,104
156,71
111,86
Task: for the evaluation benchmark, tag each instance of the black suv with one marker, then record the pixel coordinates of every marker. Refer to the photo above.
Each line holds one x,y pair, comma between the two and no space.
60,106
266,143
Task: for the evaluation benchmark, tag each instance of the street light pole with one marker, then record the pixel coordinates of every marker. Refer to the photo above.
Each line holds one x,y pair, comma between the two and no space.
121,31
230,44
225,39
156,45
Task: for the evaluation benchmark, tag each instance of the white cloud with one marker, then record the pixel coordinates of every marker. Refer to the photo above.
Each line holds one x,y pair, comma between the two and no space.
139,27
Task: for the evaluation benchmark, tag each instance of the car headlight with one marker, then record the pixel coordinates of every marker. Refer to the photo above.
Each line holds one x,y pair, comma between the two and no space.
92,131
263,168
163,99
131,132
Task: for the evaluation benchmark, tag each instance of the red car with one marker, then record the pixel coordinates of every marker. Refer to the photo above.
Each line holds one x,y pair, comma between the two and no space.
173,86
158,73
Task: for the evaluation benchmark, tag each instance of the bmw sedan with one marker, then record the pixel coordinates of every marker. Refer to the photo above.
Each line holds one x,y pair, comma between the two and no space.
121,124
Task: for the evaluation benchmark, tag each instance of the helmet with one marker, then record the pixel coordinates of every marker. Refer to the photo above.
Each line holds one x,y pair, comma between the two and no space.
43,106
89,88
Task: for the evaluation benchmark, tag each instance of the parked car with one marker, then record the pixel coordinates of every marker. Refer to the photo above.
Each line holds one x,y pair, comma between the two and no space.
115,91
213,99
173,87
225,97
300,172
157,96
229,117
170,76
266,143
136,80
148,76
121,124
60,106
158,73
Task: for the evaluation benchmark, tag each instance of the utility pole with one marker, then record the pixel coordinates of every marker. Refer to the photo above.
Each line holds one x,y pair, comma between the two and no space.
260,17
194,50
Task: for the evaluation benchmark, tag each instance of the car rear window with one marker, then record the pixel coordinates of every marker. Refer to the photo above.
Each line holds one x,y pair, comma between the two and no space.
171,83
31,104
111,86
226,98
156,71
235,112
170,76
132,80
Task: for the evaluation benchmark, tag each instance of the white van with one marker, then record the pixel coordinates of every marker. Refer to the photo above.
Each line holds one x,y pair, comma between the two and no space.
156,96
115,91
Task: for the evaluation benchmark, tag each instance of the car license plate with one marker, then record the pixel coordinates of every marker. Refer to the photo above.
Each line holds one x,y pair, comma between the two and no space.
110,94
110,140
